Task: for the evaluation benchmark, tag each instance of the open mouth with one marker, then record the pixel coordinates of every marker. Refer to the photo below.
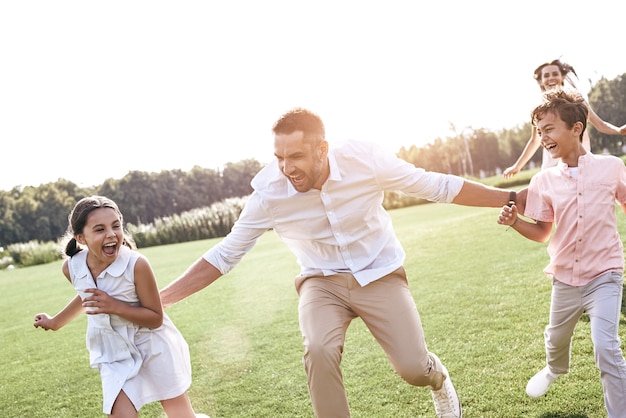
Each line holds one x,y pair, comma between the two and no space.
296,180
549,147
109,249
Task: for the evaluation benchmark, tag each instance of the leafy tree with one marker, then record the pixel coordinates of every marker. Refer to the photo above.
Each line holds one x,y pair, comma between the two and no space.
511,143
237,176
8,233
608,100
201,187
485,149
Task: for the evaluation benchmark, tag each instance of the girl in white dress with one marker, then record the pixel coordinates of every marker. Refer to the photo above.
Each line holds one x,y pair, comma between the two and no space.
551,76
140,354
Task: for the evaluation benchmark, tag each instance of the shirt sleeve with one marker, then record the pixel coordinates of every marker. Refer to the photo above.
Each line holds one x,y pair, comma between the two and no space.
253,222
397,174
620,195
537,207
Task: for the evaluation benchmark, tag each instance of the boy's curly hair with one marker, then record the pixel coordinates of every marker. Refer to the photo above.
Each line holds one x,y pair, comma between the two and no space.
569,106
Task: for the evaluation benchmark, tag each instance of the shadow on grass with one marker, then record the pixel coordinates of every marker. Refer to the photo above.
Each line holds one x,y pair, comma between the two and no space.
562,415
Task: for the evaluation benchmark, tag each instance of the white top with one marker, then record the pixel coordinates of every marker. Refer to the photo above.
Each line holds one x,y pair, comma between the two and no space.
341,228
148,364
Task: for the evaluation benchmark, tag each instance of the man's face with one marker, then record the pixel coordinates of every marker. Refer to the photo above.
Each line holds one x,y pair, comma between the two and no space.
304,164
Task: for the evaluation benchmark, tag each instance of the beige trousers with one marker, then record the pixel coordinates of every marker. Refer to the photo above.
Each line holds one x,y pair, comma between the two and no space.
328,304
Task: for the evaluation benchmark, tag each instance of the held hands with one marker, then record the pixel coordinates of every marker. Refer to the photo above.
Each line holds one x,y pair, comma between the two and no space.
508,215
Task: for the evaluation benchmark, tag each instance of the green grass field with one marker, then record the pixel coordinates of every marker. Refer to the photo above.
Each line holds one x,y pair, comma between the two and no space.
480,291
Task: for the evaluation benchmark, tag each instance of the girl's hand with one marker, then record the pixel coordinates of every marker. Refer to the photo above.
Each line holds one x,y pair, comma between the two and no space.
510,172
43,320
99,302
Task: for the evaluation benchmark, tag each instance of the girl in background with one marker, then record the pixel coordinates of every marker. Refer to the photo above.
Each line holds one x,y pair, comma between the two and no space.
140,354
552,76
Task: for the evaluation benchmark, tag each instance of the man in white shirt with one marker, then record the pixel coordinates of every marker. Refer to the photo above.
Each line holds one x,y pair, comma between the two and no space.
326,205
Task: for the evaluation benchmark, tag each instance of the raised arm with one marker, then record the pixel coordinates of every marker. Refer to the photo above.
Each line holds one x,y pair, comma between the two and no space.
603,126
531,147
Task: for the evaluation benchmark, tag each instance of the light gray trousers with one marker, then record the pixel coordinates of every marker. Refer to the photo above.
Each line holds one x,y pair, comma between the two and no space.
602,300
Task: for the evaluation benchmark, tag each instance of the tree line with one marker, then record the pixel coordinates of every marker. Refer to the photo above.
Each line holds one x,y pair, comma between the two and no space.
481,153
40,213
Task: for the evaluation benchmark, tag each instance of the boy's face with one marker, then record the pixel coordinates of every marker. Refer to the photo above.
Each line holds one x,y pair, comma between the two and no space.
559,140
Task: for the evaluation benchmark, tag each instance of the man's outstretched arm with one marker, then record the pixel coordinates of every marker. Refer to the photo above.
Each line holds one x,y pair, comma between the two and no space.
198,276
477,194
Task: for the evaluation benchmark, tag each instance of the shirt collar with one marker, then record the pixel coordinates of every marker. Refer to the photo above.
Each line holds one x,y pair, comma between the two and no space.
115,269
581,162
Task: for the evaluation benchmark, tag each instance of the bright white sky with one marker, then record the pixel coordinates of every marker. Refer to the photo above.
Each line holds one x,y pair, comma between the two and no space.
92,90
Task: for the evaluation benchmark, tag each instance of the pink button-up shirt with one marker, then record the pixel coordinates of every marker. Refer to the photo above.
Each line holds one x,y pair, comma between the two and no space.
585,242
342,227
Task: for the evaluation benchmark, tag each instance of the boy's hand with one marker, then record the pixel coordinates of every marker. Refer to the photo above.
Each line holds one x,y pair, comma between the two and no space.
508,215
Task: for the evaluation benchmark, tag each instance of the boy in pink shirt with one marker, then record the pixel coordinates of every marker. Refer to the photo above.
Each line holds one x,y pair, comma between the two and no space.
586,253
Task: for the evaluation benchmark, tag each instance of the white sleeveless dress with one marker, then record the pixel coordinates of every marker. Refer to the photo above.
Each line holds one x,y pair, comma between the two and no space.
147,364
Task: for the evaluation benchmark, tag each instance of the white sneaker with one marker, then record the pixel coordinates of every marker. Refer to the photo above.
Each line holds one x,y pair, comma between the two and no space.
539,384
202,416
447,403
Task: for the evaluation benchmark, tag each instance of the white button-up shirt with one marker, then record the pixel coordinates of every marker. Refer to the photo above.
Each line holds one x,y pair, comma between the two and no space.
342,227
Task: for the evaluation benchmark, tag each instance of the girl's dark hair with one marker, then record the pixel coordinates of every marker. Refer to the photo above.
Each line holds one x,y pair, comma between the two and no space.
77,220
304,120
563,67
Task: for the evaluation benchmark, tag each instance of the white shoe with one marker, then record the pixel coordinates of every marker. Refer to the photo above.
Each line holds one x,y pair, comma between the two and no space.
447,403
202,416
539,384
